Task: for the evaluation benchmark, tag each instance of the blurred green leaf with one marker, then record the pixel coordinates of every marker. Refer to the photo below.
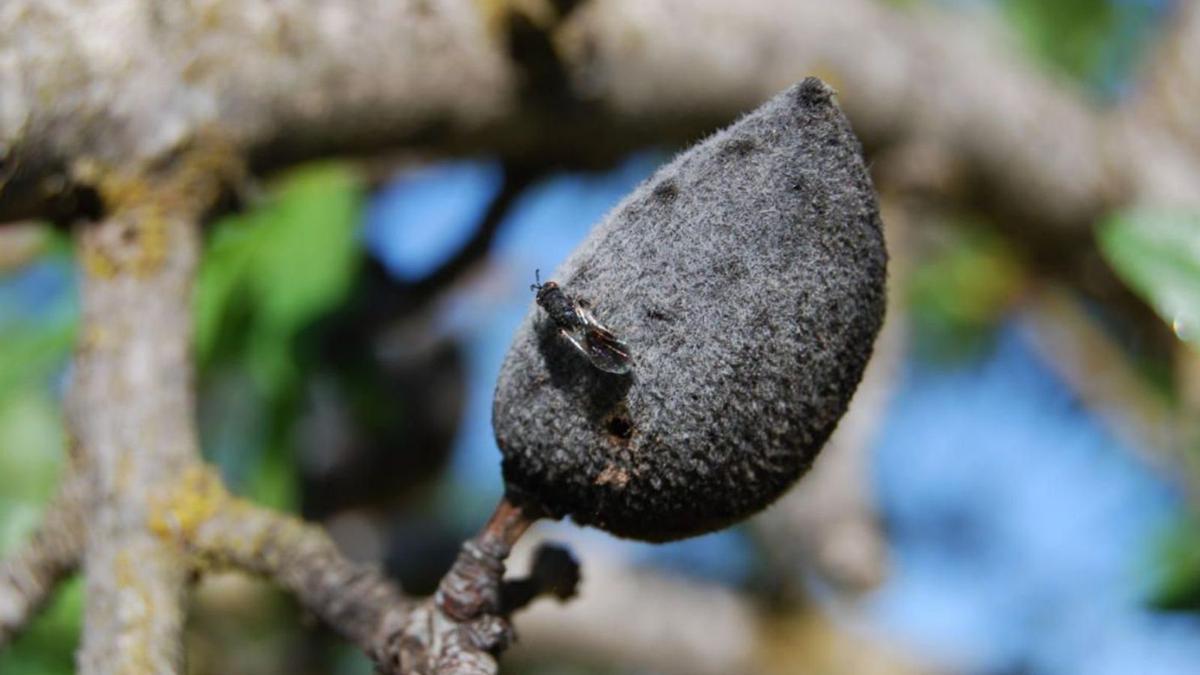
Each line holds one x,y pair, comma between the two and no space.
1158,254
1099,42
1177,586
266,275
962,292
31,354
289,261
1073,35
31,442
48,646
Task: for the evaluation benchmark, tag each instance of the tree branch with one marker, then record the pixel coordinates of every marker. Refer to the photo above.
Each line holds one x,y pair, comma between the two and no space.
1169,91
224,531
285,80
131,409
277,80
459,630
282,81
33,571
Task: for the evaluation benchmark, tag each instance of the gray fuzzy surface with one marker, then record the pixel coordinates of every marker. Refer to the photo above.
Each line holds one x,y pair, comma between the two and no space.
747,278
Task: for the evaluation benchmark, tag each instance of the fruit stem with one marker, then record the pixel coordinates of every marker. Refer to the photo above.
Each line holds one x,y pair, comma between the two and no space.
472,586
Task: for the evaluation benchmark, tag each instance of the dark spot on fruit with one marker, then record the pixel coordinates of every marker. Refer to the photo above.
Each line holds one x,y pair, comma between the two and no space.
620,427
738,147
666,191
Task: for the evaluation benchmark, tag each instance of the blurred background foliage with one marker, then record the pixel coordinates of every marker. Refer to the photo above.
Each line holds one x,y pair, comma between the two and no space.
266,275
338,382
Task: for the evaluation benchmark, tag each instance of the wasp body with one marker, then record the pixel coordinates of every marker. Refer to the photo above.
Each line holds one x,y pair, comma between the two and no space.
579,326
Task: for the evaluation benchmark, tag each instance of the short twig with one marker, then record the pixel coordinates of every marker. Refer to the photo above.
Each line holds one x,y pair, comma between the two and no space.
34,570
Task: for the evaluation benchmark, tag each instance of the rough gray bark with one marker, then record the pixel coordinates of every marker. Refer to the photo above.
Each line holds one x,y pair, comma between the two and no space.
458,630
1170,88
131,411
290,79
133,81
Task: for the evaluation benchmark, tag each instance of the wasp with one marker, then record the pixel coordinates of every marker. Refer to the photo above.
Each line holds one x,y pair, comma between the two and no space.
580,327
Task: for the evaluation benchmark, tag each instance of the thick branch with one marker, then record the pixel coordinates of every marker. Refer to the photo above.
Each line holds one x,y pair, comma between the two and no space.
130,409
33,571
135,80
1170,90
280,81
284,80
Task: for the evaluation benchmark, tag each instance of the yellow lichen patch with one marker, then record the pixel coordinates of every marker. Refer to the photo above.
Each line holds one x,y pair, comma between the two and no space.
187,505
197,174
120,191
97,264
151,232
147,200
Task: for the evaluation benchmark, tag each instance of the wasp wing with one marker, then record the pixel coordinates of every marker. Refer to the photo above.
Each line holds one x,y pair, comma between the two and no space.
605,351
578,344
600,345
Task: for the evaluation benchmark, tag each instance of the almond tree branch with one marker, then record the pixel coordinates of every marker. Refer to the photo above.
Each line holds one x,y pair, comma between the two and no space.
285,80
224,531
131,410
31,573
133,81
281,81
1169,93
457,631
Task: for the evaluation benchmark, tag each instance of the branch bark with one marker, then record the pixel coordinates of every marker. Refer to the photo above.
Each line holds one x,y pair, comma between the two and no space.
130,408
282,81
1169,91
285,80
31,573
134,81
457,631
223,531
